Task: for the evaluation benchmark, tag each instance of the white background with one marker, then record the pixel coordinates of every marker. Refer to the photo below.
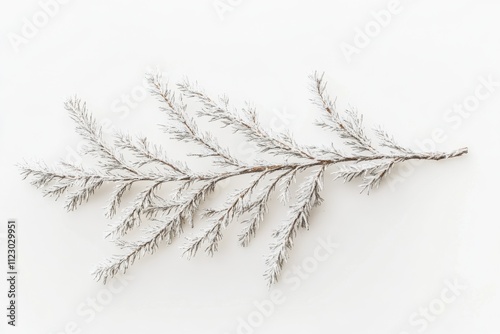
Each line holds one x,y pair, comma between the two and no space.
397,248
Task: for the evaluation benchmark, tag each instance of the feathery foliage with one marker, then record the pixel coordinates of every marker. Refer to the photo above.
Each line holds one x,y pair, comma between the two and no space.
128,160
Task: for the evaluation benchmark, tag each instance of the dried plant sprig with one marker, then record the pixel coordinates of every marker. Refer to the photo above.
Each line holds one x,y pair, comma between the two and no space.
308,197
183,128
129,160
349,126
247,124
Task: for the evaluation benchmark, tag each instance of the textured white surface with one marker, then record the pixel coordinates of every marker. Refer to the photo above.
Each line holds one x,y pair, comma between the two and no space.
398,249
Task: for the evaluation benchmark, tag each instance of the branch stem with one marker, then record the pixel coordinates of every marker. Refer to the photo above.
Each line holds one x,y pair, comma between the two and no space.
396,157
273,168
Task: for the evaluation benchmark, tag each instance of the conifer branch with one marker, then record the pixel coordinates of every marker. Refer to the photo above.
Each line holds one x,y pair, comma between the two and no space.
128,161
